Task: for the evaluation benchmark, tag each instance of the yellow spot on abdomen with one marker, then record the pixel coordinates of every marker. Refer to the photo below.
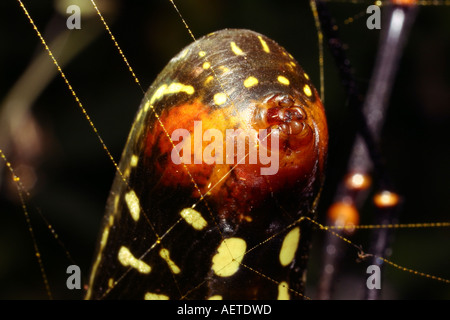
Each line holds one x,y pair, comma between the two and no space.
111,217
202,54
159,93
307,90
290,66
224,69
111,283
126,172
104,238
220,98
184,53
236,50
164,253
208,80
250,82
155,296
134,160
206,65
229,255
127,259
174,87
264,44
289,246
283,291
194,218
283,80
116,203
133,204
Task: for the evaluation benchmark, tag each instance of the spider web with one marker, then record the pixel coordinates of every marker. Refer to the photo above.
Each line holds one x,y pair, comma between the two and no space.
75,176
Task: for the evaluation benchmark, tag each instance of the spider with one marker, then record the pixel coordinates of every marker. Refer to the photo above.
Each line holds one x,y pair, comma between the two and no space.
165,36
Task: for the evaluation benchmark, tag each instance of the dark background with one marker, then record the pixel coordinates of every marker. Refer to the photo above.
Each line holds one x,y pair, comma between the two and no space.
74,173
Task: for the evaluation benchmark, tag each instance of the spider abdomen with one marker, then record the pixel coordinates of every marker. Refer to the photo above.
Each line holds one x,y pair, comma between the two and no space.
225,156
